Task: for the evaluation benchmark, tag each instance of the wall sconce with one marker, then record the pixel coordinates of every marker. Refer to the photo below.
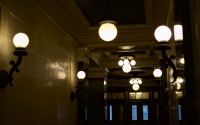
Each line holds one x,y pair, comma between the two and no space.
107,30
20,41
81,75
74,95
157,73
135,87
162,35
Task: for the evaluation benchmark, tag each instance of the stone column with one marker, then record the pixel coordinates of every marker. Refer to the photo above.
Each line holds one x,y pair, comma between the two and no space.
96,90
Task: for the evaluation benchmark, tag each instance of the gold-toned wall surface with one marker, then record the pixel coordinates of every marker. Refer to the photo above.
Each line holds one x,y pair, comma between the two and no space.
40,95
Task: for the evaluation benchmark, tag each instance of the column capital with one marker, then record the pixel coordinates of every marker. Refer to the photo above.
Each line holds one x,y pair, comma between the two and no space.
98,72
83,56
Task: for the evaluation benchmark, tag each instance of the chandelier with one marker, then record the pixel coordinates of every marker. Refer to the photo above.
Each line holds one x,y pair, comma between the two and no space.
135,81
126,60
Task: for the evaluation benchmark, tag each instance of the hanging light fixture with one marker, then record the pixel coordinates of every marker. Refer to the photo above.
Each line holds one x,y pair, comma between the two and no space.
107,30
162,35
135,87
126,60
135,81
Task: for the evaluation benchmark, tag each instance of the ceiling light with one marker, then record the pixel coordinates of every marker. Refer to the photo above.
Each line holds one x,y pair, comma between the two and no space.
135,87
133,62
107,30
157,73
126,68
120,63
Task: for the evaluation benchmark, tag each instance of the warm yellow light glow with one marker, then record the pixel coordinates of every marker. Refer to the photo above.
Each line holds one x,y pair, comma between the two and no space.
126,68
162,34
133,62
107,31
120,63
126,61
178,32
20,40
157,73
178,86
131,81
182,60
140,81
180,80
81,74
135,87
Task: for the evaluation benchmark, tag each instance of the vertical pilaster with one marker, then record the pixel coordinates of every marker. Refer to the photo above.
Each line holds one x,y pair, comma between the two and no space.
96,101
83,62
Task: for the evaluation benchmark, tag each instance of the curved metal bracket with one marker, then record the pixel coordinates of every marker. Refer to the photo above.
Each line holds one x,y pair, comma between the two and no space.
170,63
6,78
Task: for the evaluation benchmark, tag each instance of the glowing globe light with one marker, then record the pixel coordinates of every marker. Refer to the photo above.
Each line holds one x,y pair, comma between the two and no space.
180,80
157,73
120,62
131,81
135,87
182,60
139,81
126,68
126,61
135,81
178,86
133,62
178,32
81,74
162,34
107,31
20,40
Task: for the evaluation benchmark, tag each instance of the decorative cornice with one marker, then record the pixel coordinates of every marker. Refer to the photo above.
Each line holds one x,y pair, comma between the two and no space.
98,72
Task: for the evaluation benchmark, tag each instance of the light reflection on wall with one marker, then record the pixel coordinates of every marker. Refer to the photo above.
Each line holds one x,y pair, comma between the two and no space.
58,70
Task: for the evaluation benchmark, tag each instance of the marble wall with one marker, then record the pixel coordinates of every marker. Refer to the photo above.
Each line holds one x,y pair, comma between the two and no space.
40,95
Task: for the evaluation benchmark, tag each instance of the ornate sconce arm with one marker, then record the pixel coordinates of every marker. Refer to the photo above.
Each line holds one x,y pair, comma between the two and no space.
170,63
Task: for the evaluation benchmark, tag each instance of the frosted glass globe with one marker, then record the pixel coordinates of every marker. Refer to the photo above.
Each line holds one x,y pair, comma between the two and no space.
133,62
81,74
178,32
162,34
131,81
126,68
178,86
135,87
140,81
182,60
20,40
126,61
107,31
157,73
120,62
135,81
179,80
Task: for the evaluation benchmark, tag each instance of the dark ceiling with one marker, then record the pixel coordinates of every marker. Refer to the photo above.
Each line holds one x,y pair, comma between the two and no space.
123,11
136,23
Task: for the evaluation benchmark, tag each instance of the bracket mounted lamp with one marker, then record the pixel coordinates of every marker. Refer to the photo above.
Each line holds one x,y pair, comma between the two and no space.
162,35
20,41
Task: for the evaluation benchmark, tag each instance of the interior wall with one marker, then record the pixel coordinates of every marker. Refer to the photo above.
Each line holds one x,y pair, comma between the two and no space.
40,95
